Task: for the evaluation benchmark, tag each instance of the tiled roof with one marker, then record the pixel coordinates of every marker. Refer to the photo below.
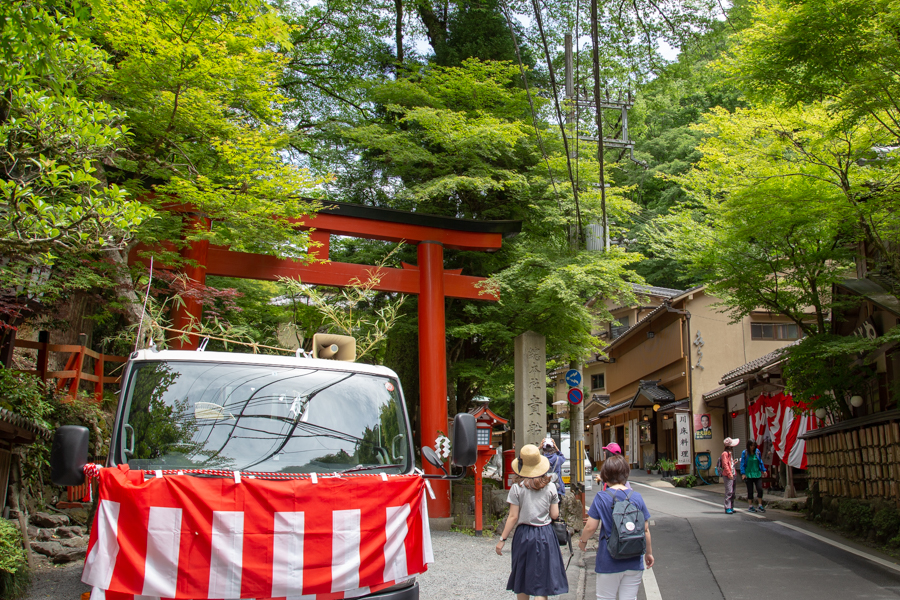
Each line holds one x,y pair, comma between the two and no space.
12,418
649,389
725,390
674,405
754,365
656,291
655,392
615,408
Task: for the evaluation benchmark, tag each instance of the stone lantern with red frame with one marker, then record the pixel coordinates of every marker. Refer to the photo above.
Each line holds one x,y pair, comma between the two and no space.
485,421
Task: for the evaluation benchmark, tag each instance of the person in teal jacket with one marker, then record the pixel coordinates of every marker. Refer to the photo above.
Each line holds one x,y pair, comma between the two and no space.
752,471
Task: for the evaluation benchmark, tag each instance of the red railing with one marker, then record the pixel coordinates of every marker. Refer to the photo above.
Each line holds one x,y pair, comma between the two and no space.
73,374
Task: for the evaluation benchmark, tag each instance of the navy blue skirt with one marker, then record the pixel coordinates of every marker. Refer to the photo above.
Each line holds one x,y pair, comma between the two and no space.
537,563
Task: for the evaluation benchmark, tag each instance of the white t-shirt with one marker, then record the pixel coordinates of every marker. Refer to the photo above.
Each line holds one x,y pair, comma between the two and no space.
534,505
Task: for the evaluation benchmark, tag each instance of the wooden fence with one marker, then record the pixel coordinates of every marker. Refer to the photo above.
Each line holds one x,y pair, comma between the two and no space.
862,462
74,373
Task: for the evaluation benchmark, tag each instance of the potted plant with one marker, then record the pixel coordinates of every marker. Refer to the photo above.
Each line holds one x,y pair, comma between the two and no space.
667,467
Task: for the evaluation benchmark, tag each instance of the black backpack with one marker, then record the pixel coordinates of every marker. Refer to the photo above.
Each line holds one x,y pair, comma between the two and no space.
626,536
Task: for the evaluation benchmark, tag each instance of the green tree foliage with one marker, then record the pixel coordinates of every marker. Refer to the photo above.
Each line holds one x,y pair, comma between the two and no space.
478,30
843,51
829,369
53,137
197,81
776,205
459,141
844,56
775,209
666,141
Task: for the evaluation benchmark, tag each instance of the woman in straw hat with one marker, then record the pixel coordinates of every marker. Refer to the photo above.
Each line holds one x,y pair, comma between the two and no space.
537,564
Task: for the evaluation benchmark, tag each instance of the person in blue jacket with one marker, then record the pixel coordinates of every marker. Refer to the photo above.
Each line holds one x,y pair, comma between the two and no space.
752,471
556,458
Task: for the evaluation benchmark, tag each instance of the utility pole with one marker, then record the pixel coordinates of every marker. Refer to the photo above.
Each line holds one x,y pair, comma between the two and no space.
619,139
576,411
595,54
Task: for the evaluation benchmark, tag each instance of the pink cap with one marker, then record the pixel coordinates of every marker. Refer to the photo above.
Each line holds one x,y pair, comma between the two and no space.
613,447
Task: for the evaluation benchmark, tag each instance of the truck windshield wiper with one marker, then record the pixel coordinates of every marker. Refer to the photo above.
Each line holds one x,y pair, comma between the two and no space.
368,468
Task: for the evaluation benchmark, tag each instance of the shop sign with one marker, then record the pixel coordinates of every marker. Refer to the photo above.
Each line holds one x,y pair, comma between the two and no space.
683,438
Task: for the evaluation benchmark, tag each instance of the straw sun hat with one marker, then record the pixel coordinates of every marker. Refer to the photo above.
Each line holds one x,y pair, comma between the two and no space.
531,462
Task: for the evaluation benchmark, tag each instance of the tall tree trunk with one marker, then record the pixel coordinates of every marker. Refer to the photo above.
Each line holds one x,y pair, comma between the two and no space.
75,313
399,31
132,304
435,26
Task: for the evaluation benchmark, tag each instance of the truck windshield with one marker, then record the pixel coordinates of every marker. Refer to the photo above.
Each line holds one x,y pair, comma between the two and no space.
202,415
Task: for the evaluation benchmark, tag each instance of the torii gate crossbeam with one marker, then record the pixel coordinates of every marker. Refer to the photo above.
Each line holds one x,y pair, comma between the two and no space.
428,279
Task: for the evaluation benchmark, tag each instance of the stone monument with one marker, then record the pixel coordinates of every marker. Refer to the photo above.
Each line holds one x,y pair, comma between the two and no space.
531,388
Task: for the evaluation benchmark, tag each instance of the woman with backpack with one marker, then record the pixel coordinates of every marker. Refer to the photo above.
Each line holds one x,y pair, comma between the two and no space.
537,564
752,470
624,523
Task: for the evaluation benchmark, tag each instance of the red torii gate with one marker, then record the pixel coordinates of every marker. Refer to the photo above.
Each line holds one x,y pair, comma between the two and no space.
428,279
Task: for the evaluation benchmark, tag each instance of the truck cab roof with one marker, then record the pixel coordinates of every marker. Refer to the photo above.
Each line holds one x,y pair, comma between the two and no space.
260,359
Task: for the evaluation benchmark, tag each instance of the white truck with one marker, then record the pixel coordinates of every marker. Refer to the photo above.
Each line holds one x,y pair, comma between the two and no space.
227,412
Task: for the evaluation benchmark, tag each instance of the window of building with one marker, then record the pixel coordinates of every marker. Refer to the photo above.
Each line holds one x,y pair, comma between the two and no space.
598,382
775,331
617,330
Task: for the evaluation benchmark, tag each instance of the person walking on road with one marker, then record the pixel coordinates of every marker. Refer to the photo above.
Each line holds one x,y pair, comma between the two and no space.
617,578
537,564
556,458
752,470
726,466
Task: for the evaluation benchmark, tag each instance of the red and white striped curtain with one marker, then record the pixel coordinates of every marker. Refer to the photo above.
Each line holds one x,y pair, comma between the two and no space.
781,420
179,536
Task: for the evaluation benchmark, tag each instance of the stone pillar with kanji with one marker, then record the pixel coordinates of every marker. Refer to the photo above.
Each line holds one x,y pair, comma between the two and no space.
531,389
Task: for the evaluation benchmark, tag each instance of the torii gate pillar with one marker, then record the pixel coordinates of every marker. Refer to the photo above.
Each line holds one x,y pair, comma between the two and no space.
433,367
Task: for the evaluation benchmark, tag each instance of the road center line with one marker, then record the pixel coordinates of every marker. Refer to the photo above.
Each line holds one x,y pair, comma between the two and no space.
875,559
716,504
651,588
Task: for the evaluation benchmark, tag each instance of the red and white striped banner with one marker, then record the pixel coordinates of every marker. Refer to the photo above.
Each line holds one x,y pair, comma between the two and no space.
783,420
180,537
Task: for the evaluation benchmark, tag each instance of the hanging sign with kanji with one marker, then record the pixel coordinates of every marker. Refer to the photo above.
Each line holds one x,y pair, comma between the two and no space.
683,438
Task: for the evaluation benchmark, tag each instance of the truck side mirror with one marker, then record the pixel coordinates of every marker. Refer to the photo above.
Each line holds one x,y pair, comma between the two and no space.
69,454
465,444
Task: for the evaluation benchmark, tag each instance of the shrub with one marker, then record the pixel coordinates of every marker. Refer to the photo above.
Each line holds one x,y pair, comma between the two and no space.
25,395
14,575
887,523
854,517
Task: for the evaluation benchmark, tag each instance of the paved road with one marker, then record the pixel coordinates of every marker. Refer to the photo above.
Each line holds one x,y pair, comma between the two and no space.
701,553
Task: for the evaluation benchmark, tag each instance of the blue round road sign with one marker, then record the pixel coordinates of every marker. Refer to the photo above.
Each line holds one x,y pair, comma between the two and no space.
575,396
573,377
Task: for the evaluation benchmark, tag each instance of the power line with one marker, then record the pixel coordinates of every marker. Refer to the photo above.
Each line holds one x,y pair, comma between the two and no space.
562,127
